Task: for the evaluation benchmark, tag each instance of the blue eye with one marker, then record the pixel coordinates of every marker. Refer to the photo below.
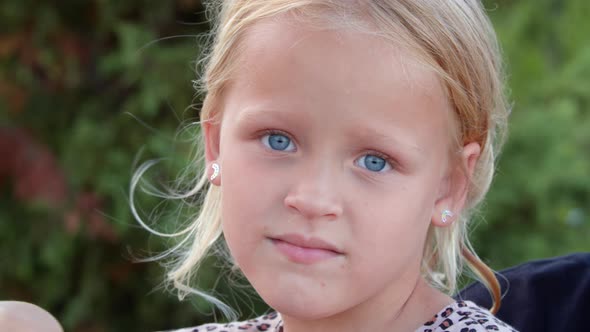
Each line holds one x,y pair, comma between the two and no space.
373,163
278,142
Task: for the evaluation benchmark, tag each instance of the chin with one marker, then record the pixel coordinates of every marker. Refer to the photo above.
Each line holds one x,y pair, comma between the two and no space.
304,307
310,312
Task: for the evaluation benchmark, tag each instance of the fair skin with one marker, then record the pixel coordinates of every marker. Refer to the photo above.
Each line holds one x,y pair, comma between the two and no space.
26,317
335,135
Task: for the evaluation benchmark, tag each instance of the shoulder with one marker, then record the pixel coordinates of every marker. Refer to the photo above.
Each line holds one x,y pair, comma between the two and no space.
464,316
270,322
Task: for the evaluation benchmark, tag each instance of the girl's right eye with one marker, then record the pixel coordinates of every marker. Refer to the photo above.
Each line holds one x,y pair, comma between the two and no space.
278,142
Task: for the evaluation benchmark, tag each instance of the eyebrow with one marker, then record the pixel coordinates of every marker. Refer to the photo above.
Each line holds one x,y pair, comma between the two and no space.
253,114
370,133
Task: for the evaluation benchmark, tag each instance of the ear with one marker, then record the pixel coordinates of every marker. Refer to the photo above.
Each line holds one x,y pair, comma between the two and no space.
211,135
455,185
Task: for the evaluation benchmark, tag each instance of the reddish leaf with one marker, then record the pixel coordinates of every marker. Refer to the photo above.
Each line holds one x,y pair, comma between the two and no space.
16,96
72,222
9,44
89,207
71,46
32,168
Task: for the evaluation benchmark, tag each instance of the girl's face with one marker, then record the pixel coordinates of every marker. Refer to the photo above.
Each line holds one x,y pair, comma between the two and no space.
333,150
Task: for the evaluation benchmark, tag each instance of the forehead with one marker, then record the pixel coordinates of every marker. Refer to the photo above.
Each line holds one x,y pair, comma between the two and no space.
354,50
358,76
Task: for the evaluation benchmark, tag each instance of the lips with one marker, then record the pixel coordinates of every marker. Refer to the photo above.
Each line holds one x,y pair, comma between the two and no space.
302,250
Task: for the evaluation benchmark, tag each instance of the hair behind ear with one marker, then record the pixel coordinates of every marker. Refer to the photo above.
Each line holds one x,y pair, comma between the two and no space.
485,275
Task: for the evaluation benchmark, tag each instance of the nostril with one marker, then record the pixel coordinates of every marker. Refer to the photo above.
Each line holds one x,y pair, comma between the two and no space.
292,203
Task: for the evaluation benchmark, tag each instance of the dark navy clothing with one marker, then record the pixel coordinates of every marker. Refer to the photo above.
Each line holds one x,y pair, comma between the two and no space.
544,295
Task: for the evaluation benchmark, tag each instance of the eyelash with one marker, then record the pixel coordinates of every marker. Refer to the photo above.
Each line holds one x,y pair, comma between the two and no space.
381,155
277,132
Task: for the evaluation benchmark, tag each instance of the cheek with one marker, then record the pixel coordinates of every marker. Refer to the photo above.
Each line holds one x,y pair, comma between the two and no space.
391,228
250,202
249,182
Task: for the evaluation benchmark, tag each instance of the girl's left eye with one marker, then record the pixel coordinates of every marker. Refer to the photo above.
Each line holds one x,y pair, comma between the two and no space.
373,163
278,142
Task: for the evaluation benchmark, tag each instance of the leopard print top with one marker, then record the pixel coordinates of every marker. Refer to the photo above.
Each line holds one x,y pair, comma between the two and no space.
460,316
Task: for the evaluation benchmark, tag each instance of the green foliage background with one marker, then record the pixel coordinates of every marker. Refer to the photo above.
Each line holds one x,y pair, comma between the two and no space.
86,85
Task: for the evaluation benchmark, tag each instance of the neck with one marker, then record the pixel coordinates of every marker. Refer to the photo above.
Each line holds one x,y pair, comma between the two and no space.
397,309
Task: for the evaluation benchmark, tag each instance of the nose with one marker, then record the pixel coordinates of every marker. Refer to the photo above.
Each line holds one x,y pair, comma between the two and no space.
315,195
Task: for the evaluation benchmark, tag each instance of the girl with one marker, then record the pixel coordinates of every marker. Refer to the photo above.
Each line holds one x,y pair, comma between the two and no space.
346,144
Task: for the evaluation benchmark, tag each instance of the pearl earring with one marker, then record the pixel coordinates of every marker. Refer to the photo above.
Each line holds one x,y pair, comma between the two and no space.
446,214
215,167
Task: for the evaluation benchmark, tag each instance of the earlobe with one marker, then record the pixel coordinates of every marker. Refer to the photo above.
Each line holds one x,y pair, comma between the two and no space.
446,216
456,186
443,218
213,173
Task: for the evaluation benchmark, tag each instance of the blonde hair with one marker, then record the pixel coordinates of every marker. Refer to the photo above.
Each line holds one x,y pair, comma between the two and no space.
454,38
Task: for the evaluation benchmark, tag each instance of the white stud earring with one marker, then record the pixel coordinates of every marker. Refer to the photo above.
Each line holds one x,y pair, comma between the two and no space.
215,167
446,214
